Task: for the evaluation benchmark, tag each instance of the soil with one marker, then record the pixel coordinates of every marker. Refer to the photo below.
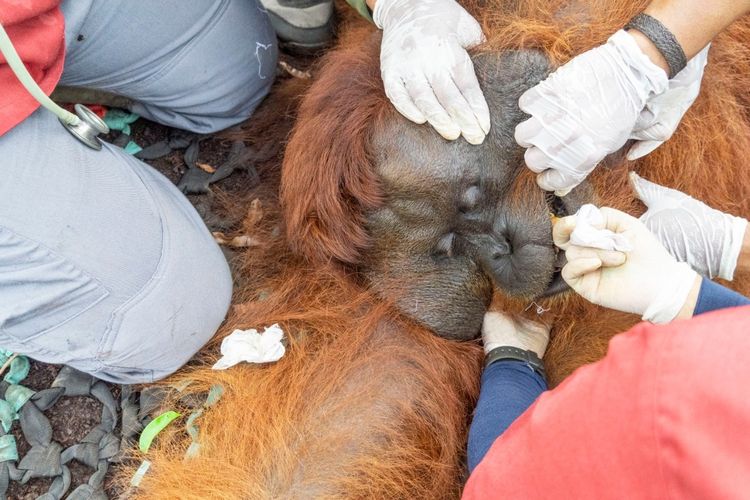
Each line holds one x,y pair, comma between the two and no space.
73,417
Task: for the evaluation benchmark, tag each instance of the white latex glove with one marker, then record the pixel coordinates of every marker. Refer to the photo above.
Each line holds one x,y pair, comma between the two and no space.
663,113
586,110
707,239
499,330
426,71
647,280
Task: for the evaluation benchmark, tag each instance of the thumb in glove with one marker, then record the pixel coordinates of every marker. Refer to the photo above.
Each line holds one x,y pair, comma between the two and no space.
663,113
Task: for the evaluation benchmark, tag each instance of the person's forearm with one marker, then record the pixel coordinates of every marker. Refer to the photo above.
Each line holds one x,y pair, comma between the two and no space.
713,297
509,387
696,22
693,22
706,296
688,309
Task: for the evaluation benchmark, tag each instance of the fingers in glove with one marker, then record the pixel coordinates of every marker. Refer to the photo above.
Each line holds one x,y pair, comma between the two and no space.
465,78
529,100
527,136
526,131
557,181
608,258
536,160
642,148
401,100
469,32
562,230
576,270
533,135
646,191
458,108
497,322
553,175
618,221
533,327
533,132
424,98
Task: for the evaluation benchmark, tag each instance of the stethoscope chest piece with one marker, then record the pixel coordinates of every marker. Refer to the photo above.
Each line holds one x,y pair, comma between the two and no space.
87,128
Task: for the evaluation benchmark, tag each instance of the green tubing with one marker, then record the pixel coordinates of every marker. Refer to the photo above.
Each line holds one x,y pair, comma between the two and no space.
23,75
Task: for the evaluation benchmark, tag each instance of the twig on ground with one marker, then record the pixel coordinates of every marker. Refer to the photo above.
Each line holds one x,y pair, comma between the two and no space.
7,363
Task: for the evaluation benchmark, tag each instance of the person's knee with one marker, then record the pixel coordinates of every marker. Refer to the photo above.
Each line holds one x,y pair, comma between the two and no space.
167,328
230,69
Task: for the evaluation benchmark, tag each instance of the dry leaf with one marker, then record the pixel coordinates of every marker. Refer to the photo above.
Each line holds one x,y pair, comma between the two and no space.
241,241
220,238
253,217
244,241
205,167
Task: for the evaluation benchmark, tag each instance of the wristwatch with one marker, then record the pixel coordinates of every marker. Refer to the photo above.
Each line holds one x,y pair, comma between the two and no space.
508,352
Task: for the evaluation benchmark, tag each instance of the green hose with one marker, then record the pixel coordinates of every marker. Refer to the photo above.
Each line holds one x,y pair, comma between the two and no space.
23,75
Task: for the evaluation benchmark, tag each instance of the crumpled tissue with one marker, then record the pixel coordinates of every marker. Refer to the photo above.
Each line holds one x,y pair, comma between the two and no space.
586,233
251,347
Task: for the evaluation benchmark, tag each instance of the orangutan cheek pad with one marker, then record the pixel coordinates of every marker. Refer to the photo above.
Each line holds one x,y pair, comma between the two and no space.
459,219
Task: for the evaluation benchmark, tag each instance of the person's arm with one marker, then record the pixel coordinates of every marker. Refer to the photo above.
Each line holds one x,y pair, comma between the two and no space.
667,395
714,243
426,70
616,92
509,386
713,297
693,22
644,280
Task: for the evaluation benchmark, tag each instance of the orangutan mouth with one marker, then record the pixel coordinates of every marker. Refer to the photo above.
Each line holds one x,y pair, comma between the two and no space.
557,285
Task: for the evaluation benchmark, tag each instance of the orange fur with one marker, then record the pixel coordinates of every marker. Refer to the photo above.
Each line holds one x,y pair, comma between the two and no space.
366,404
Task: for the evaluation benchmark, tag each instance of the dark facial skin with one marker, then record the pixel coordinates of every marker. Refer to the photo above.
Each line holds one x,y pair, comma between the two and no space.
462,219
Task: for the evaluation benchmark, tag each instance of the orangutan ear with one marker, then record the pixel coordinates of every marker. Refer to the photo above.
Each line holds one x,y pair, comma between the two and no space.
328,181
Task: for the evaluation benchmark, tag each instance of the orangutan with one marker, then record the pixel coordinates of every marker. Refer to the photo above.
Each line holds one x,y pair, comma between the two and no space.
393,235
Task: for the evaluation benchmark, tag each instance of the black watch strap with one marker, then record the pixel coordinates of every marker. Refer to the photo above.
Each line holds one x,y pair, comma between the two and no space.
508,352
663,39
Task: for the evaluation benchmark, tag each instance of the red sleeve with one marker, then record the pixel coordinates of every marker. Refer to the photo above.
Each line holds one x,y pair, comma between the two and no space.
37,30
663,415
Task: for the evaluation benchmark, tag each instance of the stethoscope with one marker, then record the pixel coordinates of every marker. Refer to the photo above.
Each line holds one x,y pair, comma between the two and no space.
85,125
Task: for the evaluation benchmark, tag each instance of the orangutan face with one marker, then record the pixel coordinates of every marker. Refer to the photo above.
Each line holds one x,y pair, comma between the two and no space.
459,219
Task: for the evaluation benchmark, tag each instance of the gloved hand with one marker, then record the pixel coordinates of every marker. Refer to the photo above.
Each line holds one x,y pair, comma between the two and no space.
707,239
586,110
659,119
499,330
645,281
426,71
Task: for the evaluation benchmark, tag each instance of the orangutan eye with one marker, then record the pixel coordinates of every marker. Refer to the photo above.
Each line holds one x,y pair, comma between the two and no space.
444,246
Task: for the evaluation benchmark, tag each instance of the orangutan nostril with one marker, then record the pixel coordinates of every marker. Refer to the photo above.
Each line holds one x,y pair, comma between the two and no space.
501,248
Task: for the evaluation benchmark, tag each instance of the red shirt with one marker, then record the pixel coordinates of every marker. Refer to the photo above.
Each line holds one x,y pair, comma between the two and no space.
665,414
37,30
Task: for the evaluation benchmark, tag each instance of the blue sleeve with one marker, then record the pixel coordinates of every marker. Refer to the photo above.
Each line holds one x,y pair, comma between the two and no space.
508,388
713,296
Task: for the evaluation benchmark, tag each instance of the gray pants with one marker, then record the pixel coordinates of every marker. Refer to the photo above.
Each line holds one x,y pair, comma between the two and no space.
104,264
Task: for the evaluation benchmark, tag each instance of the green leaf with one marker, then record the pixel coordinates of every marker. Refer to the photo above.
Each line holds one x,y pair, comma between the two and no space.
154,428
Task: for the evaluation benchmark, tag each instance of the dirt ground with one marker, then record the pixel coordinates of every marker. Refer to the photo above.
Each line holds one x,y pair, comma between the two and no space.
73,417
